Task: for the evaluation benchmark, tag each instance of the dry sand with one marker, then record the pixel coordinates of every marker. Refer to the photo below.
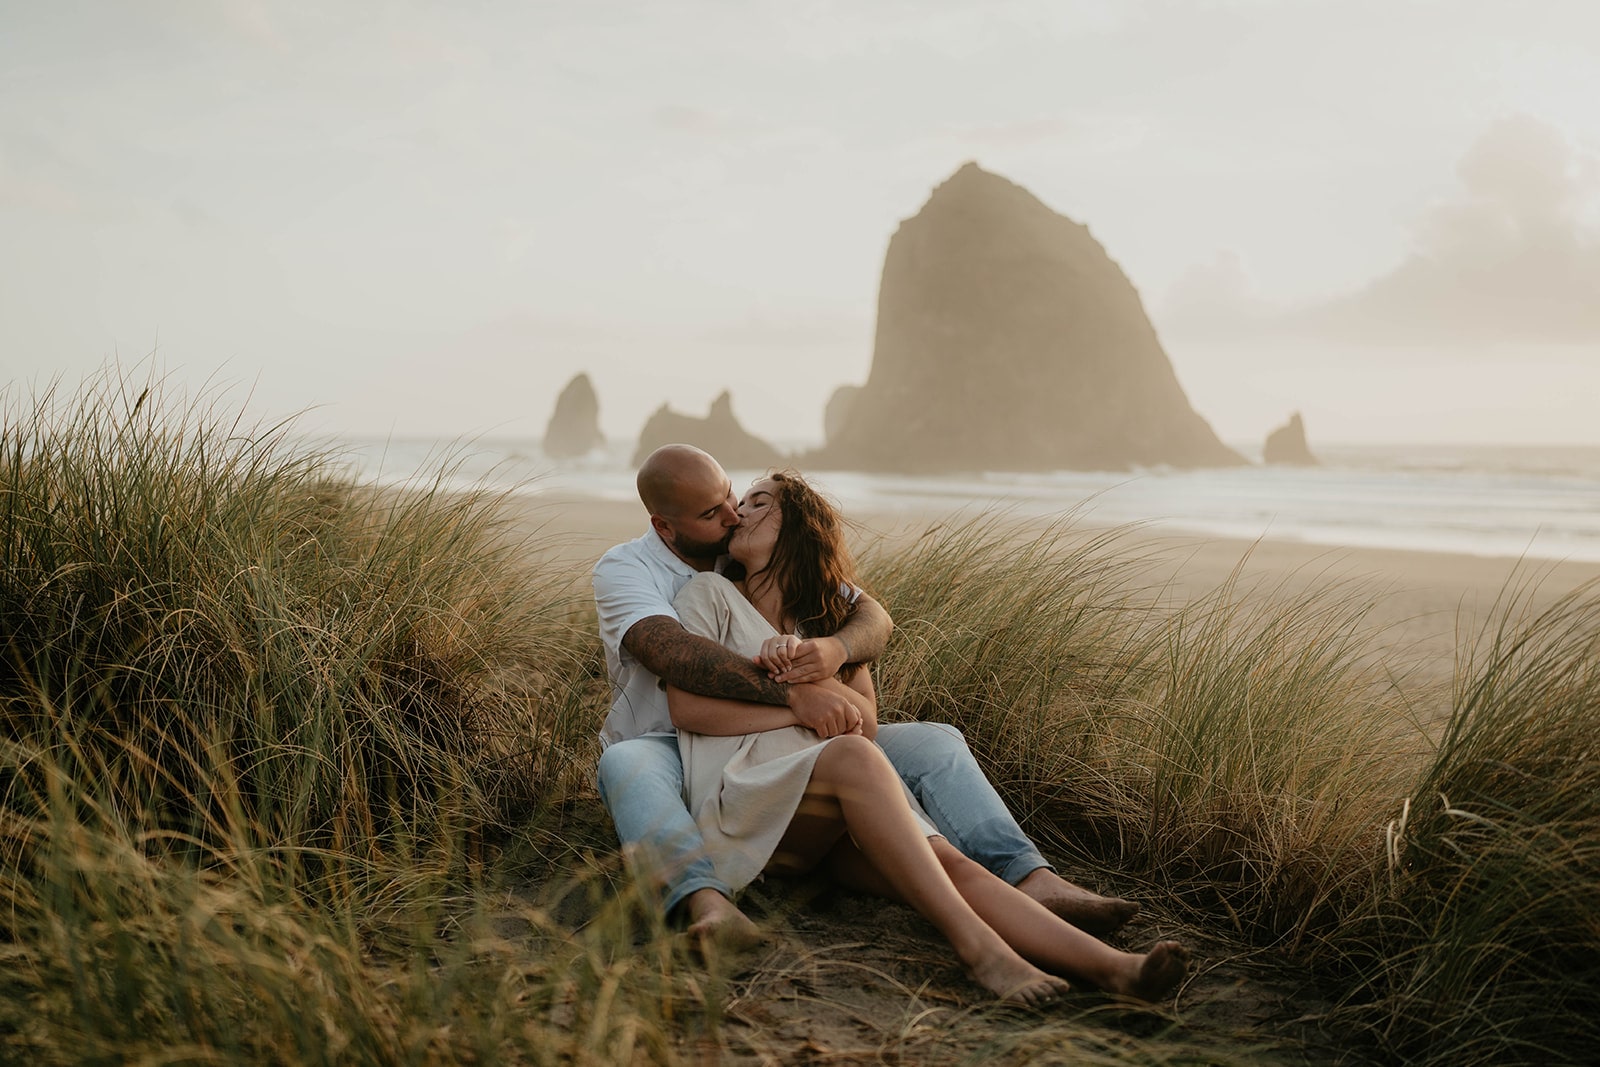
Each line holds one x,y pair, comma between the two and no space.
1425,604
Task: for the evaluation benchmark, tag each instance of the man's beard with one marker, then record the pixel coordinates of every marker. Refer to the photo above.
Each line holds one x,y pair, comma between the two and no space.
701,549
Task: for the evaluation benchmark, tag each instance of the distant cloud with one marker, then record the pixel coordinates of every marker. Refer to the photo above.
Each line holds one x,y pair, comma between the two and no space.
1514,257
1214,298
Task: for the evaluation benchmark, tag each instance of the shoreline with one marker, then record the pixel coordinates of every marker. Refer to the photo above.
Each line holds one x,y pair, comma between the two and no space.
1487,505
593,523
1424,605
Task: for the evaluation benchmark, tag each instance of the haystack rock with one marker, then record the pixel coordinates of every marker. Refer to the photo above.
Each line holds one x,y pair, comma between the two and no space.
574,428
1287,445
1008,339
718,433
836,416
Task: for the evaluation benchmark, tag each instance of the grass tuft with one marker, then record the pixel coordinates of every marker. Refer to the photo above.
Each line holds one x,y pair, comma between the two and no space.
1482,944
354,662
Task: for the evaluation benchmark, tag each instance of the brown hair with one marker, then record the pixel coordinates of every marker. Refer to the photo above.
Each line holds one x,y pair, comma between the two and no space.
810,560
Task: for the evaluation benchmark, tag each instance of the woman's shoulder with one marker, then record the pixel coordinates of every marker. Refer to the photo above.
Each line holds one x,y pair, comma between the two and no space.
706,584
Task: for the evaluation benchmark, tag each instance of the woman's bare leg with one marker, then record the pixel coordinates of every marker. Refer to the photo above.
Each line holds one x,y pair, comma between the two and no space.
1046,939
1038,934
854,783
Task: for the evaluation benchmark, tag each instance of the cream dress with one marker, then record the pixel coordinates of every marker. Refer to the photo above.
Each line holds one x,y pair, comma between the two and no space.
744,790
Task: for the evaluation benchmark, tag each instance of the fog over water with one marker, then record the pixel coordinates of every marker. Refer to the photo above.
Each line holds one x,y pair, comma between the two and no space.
424,219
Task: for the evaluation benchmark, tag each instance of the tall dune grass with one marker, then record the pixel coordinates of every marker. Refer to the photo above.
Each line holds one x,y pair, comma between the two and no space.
265,728
1253,754
1241,751
1249,754
115,953
259,725
1255,766
1483,941
174,581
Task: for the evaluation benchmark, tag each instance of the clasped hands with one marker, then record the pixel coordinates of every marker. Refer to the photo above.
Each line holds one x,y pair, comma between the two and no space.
792,659
799,662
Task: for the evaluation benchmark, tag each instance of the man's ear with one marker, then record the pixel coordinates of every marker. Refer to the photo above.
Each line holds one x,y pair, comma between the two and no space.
662,527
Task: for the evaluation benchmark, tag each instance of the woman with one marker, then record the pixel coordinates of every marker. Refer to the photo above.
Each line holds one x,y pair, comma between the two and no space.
772,796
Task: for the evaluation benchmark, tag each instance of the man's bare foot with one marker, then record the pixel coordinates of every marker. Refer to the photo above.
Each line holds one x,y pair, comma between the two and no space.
1016,981
1089,912
1153,975
717,925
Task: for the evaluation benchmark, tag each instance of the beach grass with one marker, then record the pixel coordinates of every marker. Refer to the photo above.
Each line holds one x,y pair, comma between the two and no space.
299,770
1482,943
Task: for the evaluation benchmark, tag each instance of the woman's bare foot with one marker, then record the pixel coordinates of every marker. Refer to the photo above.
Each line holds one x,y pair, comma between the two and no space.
717,925
1089,912
1015,980
1154,974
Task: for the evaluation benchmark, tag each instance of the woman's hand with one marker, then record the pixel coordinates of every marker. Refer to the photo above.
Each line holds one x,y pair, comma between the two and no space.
792,659
827,710
777,653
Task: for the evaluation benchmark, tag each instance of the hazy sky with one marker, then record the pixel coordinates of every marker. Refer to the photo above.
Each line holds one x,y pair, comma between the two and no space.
425,218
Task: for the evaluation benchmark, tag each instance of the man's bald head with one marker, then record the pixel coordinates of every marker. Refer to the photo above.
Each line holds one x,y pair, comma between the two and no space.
691,502
674,477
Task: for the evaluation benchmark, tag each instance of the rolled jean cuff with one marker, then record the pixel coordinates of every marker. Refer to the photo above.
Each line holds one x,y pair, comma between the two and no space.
676,894
1022,866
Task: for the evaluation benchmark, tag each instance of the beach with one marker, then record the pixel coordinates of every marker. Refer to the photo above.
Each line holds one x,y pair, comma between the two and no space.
1423,605
1239,733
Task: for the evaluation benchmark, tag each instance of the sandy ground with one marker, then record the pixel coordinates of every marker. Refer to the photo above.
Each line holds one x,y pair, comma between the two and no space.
1426,604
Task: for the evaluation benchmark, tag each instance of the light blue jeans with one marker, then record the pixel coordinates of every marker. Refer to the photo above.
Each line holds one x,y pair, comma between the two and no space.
641,784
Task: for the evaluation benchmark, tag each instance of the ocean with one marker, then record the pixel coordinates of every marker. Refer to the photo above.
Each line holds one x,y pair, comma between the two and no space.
1538,502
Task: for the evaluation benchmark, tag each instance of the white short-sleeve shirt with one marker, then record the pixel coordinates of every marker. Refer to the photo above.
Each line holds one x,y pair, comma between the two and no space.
633,581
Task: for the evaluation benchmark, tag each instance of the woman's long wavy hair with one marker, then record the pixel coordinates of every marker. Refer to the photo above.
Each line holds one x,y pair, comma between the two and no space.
810,561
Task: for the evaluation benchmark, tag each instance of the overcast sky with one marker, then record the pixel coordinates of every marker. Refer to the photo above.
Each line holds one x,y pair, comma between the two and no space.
425,218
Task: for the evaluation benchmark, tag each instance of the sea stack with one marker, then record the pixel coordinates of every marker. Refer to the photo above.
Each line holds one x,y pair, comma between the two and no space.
1287,446
718,433
574,427
1008,339
836,416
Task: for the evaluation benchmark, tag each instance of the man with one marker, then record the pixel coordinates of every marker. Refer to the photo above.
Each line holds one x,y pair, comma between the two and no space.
693,511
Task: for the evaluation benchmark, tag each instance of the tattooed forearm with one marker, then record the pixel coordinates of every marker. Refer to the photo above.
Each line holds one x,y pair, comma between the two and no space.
698,664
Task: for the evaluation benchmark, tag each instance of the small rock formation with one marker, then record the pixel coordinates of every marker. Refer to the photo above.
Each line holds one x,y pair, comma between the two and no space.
574,427
718,433
1008,339
1287,445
